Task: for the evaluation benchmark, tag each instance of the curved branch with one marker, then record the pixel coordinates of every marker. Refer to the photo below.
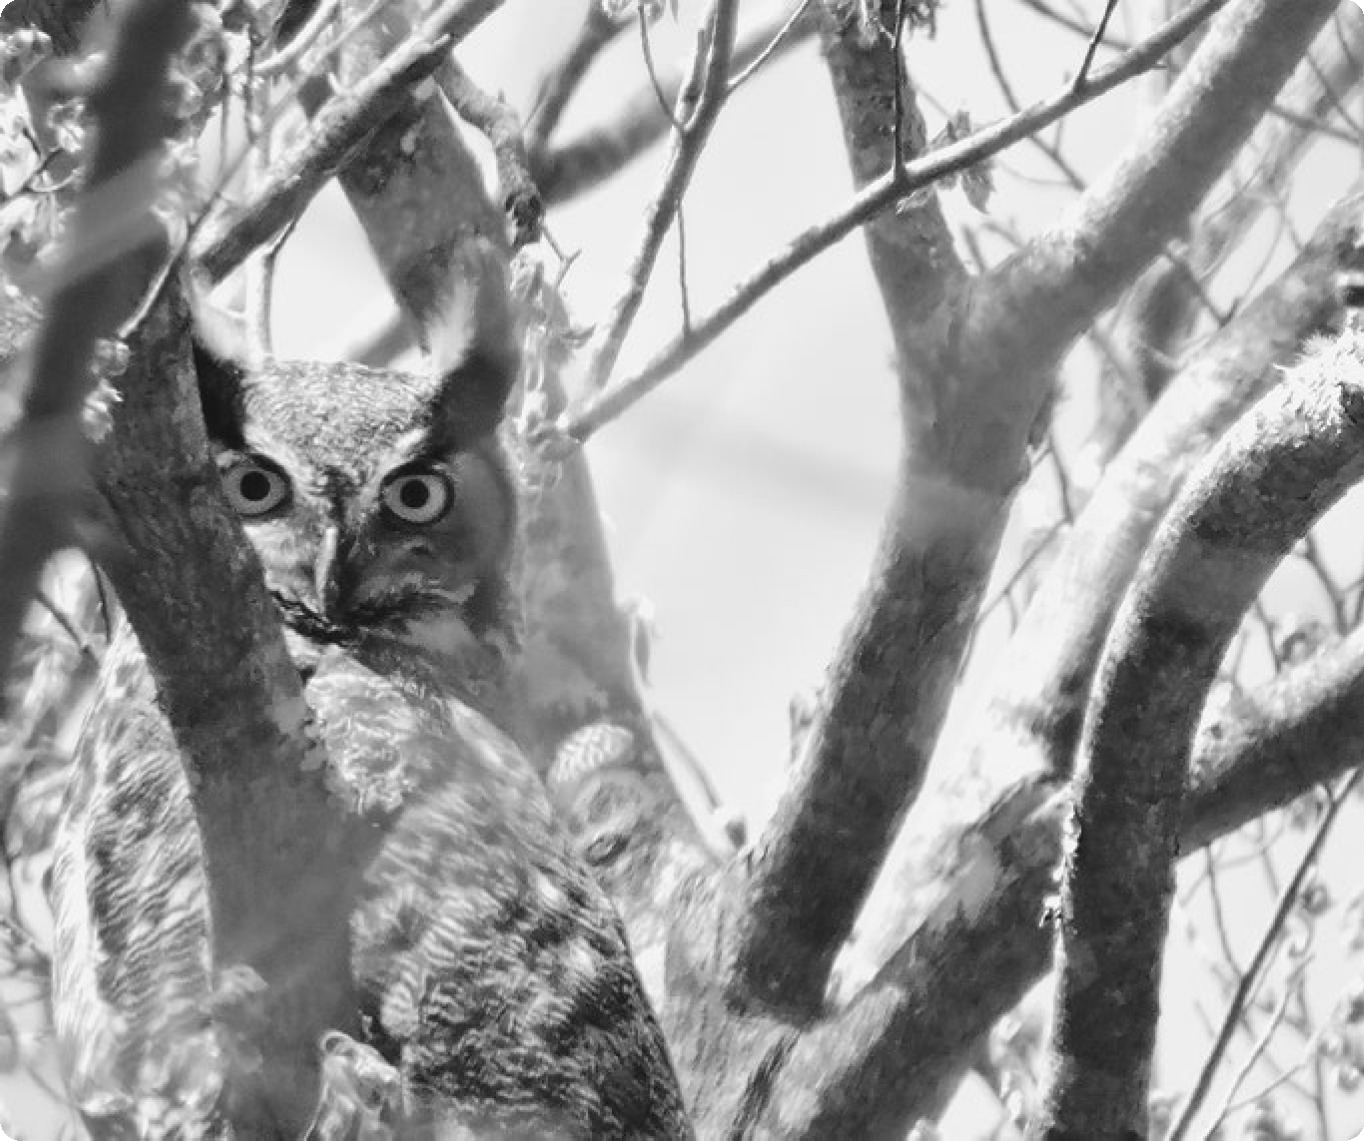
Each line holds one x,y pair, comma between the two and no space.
1272,477
913,1030
1030,723
983,378
1052,656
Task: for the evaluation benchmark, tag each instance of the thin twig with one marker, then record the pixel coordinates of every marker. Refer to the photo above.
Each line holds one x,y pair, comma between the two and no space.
1268,942
93,286
867,204
600,151
1093,46
562,81
1257,1050
897,163
1069,22
646,51
682,287
281,61
698,105
773,46
227,240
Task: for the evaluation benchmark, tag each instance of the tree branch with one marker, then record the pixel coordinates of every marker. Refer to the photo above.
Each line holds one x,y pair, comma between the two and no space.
587,160
981,382
229,236
499,123
698,106
239,709
983,942
1162,307
1272,477
560,83
865,205
95,285
1030,723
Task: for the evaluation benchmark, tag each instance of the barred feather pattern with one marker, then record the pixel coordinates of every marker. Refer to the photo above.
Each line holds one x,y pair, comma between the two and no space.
493,972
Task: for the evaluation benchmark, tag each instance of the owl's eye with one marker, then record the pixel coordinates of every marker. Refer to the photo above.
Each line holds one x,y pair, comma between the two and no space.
254,489
418,497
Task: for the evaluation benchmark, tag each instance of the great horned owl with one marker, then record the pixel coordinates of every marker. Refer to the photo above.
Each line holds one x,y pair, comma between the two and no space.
493,975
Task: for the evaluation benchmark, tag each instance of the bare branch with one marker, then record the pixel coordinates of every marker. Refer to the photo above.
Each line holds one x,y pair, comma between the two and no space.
562,81
1030,723
984,942
520,198
228,237
698,105
1270,479
1100,30
979,383
1251,977
866,205
598,152
242,725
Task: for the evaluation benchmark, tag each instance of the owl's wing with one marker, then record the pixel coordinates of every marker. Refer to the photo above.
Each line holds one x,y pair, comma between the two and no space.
494,969
130,965
495,973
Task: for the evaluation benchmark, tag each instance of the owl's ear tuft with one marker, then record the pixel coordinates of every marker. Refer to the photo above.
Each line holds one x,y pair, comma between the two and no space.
470,337
221,393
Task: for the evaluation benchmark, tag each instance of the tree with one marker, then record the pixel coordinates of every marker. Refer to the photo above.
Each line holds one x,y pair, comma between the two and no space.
1082,753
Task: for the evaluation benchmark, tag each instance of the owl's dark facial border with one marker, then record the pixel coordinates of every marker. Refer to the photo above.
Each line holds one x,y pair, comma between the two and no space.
221,395
470,400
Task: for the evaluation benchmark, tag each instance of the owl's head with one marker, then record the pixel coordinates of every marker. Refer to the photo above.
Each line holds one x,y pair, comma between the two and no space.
380,502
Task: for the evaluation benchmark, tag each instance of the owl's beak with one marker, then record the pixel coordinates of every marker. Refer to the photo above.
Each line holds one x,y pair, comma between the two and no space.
327,573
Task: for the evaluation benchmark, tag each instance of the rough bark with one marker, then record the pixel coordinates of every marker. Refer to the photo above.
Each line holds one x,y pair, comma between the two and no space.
1030,721
1273,476
974,382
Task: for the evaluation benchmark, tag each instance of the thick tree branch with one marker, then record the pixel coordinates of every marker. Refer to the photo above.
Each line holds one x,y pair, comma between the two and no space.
499,123
981,381
235,700
984,941
238,708
1272,477
95,285
1030,723
229,237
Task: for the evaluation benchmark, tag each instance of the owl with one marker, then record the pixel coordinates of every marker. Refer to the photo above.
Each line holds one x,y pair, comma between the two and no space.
497,994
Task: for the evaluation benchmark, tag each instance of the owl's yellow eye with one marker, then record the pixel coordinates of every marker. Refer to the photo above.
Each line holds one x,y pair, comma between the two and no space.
254,489
418,497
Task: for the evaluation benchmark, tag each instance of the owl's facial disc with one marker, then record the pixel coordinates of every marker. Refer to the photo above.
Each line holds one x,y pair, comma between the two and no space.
410,553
